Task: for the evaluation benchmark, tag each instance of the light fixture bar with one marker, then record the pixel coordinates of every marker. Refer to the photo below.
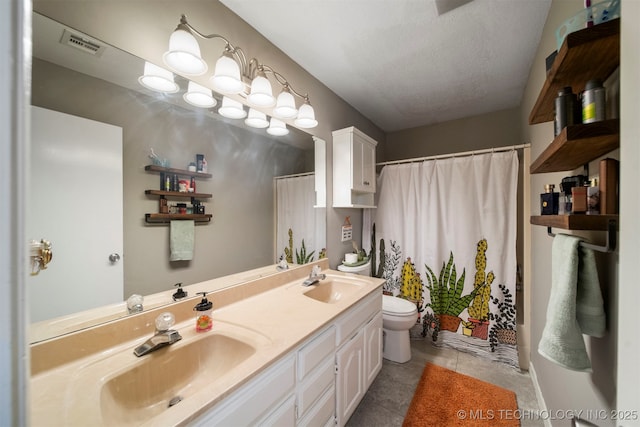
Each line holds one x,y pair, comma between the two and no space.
234,74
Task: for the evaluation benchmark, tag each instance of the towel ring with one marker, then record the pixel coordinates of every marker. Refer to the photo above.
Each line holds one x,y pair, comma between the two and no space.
610,246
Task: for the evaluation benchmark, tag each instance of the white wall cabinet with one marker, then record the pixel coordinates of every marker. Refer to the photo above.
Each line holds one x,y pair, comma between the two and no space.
314,385
354,169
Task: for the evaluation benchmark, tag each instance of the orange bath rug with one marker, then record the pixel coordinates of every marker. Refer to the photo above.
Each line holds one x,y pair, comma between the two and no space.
445,398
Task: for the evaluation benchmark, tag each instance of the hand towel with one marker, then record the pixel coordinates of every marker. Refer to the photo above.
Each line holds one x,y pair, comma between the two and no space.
575,305
182,238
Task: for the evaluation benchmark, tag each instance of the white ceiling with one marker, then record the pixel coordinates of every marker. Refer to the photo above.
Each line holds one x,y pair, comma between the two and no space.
399,62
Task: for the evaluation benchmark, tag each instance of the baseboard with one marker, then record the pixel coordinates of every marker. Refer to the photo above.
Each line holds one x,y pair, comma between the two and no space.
542,405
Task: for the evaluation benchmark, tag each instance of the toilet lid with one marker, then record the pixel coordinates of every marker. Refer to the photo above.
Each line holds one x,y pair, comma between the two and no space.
395,305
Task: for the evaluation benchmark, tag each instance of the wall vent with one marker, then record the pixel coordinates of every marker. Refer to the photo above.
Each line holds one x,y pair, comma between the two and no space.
82,43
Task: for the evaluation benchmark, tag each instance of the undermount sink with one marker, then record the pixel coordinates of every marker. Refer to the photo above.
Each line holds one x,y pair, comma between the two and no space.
331,291
167,376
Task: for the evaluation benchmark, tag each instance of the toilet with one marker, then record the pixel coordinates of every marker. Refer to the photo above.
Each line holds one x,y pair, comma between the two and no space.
363,270
398,316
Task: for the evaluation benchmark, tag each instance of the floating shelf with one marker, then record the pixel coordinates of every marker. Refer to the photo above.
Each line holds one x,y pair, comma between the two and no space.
178,194
163,218
591,53
155,168
577,145
575,222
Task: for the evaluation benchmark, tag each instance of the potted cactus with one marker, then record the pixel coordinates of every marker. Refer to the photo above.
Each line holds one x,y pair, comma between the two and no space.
478,321
503,330
447,301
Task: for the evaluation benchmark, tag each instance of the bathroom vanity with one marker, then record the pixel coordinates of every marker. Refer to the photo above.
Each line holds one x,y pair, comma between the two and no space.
279,353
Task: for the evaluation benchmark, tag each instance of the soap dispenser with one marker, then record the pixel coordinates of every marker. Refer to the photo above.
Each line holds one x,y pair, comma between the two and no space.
203,310
180,293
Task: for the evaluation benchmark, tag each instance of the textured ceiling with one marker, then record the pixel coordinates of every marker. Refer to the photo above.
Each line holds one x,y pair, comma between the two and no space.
401,63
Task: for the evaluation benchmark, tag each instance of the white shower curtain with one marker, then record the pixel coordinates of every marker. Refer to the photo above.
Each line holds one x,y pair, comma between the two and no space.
295,198
442,218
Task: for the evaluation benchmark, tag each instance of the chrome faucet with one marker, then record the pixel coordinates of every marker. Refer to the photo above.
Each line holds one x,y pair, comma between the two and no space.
314,277
163,336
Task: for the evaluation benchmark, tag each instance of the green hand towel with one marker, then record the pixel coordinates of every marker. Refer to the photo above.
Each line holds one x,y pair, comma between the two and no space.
575,305
182,238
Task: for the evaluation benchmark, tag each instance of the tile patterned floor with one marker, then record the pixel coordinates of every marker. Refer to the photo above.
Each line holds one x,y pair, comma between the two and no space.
388,398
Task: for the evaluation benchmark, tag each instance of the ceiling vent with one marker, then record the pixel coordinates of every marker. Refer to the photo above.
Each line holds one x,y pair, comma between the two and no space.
82,43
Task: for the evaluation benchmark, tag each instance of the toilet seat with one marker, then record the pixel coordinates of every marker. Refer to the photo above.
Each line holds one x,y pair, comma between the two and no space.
397,306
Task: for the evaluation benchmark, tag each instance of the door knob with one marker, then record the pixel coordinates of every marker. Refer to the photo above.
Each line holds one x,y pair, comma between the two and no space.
114,257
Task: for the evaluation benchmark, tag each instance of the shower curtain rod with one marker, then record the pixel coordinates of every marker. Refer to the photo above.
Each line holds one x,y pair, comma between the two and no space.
295,175
460,154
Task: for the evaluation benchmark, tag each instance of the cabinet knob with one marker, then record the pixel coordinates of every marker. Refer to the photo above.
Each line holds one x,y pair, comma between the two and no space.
366,183
114,257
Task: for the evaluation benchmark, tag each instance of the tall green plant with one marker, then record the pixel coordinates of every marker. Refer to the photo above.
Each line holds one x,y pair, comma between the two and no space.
446,290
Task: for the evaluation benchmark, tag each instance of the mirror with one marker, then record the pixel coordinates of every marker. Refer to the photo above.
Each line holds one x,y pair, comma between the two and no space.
238,244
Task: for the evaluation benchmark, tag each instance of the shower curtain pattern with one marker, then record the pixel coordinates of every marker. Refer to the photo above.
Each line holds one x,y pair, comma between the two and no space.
297,221
444,233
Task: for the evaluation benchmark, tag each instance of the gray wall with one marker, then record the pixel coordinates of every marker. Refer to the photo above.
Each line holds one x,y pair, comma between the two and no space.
563,389
243,164
495,129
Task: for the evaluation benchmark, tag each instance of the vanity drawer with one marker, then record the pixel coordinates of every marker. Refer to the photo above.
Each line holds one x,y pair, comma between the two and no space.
324,412
256,399
314,352
352,321
315,385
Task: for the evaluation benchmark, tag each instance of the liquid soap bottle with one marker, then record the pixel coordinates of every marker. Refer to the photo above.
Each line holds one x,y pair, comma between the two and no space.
203,309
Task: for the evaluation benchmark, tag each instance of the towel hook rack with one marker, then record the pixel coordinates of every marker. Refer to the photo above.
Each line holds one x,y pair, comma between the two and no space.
610,245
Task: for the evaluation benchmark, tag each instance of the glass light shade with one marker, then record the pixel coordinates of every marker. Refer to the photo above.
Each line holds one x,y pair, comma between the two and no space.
261,94
199,96
158,79
256,119
226,76
183,55
285,106
231,109
306,117
277,128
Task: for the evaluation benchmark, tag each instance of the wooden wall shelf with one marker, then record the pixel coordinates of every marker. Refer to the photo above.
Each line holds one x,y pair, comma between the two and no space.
178,194
577,145
159,218
575,222
586,54
183,172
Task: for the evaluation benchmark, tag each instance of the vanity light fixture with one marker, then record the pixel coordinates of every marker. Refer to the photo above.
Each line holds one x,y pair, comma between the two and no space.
256,119
234,75
158,79
231,109
277,127
199,96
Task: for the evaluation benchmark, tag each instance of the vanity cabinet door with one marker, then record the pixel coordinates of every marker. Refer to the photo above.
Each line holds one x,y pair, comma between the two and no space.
372,349
350,377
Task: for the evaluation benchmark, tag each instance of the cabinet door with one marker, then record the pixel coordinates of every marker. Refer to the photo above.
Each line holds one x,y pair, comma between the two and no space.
368,168
350,378
363,156
372,349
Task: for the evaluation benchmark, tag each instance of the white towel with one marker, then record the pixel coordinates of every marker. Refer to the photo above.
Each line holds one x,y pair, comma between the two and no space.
575,305
182,238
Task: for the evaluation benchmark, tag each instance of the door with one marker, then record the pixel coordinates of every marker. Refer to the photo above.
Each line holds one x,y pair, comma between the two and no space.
350,382
75,202
372,349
